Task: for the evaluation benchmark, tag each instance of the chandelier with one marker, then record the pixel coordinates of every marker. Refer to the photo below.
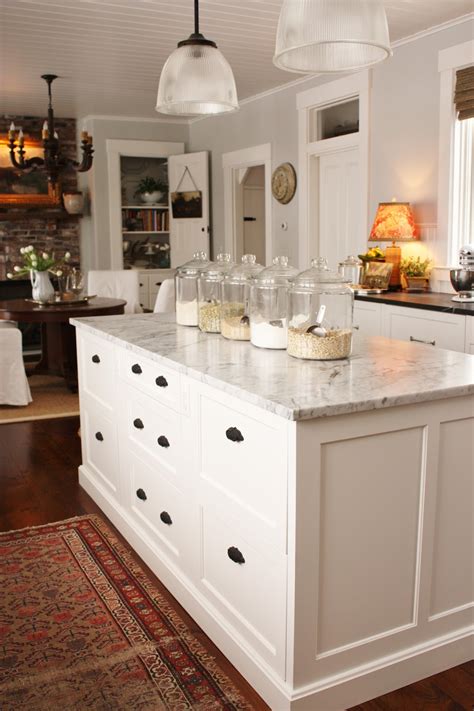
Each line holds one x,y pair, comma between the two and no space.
53,162
196,79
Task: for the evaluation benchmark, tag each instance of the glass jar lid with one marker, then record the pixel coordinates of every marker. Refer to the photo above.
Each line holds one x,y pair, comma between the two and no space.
351,261
280,273
216,270
319,274
245,271
195,265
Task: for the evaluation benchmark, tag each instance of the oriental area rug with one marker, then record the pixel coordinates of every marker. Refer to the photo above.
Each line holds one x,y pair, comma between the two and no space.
83,627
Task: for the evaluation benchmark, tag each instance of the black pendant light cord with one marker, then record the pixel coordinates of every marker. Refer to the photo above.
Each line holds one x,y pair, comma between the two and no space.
196,38
196,17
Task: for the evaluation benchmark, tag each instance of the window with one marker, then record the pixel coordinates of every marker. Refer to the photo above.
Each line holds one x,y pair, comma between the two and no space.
462,216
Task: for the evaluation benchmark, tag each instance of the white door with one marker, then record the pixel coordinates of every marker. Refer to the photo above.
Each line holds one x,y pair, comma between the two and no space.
189,171
340,206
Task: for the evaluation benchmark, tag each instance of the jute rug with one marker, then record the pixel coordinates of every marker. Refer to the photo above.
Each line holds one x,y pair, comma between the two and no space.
82,627
51,399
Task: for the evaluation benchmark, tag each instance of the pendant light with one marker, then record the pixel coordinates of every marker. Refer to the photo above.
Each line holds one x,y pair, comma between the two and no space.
331,35
197,79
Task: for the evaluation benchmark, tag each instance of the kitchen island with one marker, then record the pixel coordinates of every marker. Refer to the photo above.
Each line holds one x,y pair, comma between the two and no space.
314,518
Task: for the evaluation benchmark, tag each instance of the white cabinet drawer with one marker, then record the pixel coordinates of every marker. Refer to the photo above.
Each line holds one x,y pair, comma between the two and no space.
243,467
246,586
97,369
422,326
160,383
153,431
99,445
368,318
469,334
157,506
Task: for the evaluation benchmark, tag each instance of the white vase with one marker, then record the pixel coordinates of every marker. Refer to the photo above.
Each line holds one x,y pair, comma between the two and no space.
151,198
74,203
42,288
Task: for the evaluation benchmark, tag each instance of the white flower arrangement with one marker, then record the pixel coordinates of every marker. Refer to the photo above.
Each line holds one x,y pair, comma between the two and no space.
43,262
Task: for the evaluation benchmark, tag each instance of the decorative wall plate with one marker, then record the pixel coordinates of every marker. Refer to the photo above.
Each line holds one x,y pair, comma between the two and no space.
284,183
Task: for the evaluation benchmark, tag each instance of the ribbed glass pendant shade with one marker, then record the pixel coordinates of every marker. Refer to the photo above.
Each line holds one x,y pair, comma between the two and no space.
196,80
331,35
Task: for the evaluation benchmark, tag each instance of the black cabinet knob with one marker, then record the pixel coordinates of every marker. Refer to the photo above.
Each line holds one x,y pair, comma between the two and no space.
235,555
136,369
141,494
99,436
234,434
166,518
161,381
138,424
163,441
95,359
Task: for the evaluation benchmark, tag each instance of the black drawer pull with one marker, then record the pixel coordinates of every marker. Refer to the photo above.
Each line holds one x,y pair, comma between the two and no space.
161,381
235,555
138,424
166,518
163,441
99,436
141,494
136,369
95,359
234,434
420,340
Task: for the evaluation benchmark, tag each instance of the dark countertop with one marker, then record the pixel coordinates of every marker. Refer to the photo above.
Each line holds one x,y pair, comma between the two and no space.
431,301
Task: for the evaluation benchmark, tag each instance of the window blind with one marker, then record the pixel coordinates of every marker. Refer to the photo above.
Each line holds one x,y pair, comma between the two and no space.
464,94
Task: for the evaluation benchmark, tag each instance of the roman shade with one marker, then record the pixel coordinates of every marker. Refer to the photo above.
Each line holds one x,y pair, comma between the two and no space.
464,94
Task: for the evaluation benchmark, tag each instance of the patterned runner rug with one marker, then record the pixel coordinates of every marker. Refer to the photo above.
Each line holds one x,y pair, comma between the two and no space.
82,627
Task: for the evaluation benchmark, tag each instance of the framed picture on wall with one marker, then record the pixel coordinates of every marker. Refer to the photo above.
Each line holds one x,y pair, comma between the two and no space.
28,188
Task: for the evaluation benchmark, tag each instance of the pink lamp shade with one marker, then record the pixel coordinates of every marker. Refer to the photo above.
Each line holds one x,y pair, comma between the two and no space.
394,223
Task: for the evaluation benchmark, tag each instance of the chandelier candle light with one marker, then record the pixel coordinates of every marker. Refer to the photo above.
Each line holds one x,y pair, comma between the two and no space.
53,162
394,222
196,79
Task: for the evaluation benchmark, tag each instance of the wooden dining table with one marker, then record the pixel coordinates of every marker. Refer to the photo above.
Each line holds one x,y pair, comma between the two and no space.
58,337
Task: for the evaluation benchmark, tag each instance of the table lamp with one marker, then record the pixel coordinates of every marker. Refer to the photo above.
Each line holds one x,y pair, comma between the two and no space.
394,223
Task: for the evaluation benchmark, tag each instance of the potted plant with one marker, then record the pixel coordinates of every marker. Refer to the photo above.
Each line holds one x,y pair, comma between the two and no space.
38,266
415,273
151,190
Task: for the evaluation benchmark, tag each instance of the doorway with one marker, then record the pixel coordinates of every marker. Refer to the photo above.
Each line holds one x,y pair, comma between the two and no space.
247,203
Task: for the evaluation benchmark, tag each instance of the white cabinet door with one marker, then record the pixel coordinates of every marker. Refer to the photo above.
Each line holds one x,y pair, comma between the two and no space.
368,318
339,205
189,234
445,330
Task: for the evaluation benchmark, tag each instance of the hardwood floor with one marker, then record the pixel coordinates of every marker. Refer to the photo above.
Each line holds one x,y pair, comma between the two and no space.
38,484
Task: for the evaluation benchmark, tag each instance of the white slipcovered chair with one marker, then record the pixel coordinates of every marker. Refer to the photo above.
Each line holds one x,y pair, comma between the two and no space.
165,299
14,386
116,284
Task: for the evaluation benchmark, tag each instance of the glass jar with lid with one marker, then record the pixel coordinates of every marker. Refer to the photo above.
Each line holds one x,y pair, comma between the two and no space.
351,270
320,304
268,305
186,289
235,322
209,293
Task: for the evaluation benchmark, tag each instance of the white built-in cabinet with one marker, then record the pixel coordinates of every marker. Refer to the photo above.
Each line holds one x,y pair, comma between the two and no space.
434,328
150,281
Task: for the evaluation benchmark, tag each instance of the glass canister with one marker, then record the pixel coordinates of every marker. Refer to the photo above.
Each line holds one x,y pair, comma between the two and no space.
209,293
268,305
320,305
186,289
235,322
351,270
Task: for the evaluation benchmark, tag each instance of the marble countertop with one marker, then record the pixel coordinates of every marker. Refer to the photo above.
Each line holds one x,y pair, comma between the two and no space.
381,373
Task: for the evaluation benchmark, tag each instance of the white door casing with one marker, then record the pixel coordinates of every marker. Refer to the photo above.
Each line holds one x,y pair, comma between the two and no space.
356,86
116,148
188,235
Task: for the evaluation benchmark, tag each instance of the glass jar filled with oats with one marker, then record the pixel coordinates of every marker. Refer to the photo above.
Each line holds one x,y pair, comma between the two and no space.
235,323
320,305
209,293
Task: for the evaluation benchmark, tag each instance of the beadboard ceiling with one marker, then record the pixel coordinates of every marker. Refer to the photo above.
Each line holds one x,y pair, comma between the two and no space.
110,52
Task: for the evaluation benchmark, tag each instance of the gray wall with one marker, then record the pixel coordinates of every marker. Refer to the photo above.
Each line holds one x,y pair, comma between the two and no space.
404,134
96,226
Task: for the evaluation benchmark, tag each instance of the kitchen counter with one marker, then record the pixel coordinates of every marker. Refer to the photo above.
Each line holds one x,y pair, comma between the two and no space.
431,301
381,373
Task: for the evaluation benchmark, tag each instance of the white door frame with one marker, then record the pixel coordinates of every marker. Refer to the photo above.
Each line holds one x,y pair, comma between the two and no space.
356,86
115,149
235,160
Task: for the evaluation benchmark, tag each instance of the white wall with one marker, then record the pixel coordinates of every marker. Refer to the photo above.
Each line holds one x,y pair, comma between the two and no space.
96,180
404,134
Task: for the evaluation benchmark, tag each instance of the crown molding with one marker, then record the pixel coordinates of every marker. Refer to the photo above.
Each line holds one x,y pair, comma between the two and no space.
136,119
312,77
